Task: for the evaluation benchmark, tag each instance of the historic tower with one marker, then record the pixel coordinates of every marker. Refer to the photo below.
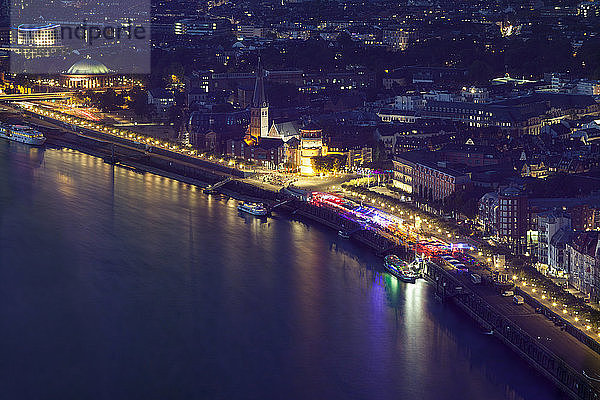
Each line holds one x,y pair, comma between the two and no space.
259,110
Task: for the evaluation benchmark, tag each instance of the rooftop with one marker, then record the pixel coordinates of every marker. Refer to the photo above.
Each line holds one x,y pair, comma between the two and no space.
88,66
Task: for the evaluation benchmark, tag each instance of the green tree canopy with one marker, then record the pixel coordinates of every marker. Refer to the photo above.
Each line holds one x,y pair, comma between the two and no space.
328,164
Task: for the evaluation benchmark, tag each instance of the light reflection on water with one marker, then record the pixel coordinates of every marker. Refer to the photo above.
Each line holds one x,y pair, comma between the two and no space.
115,284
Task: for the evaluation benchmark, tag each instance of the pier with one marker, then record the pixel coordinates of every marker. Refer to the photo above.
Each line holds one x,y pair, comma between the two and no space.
214,187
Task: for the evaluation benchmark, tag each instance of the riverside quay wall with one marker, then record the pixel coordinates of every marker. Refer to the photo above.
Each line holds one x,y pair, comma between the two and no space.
494,314
335,220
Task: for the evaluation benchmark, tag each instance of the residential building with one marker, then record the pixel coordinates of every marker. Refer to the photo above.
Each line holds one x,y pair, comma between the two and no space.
285,77
408,102
402,116
435,181
215,119
403,174
202,27
487,213
470,154
587,87
549,224
197,96
359,156
588,9
269,153
513,219
557,256
524,115
398,38
250,31
161,100
356,153
351,78
428,179
583,254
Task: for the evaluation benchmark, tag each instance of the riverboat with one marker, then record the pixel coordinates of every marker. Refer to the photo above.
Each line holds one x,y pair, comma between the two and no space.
257,209
22,134
400,269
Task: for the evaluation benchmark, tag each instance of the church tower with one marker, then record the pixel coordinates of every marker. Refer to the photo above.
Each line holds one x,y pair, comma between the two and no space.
259,110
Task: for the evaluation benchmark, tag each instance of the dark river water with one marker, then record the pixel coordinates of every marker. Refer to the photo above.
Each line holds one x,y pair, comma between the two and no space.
118,285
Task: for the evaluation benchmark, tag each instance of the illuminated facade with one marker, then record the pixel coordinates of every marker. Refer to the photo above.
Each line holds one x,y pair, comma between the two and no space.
311,145
202,27
33,41
415,172
38,35
88,74
398,38
509,29
403,174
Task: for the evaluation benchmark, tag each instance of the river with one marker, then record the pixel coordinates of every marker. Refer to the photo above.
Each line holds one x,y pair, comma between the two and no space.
120,285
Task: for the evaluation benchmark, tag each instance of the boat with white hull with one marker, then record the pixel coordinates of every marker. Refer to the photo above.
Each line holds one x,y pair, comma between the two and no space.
22,134
257,209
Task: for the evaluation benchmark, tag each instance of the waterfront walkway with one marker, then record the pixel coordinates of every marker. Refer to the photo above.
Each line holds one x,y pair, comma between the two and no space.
549,335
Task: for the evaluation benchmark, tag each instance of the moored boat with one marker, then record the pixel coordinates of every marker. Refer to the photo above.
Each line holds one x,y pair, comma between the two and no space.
400,269
257,209
22,134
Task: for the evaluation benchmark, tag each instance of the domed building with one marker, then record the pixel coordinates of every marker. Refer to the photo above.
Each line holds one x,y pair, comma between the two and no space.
88,74
87,66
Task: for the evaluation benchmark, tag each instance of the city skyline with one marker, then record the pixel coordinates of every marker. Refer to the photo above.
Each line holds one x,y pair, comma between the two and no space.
237,172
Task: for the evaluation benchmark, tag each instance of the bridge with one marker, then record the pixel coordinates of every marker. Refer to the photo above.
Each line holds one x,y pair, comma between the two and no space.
36,96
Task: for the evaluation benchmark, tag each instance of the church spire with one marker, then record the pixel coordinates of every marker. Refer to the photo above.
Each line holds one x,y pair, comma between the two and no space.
259,110
259,99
